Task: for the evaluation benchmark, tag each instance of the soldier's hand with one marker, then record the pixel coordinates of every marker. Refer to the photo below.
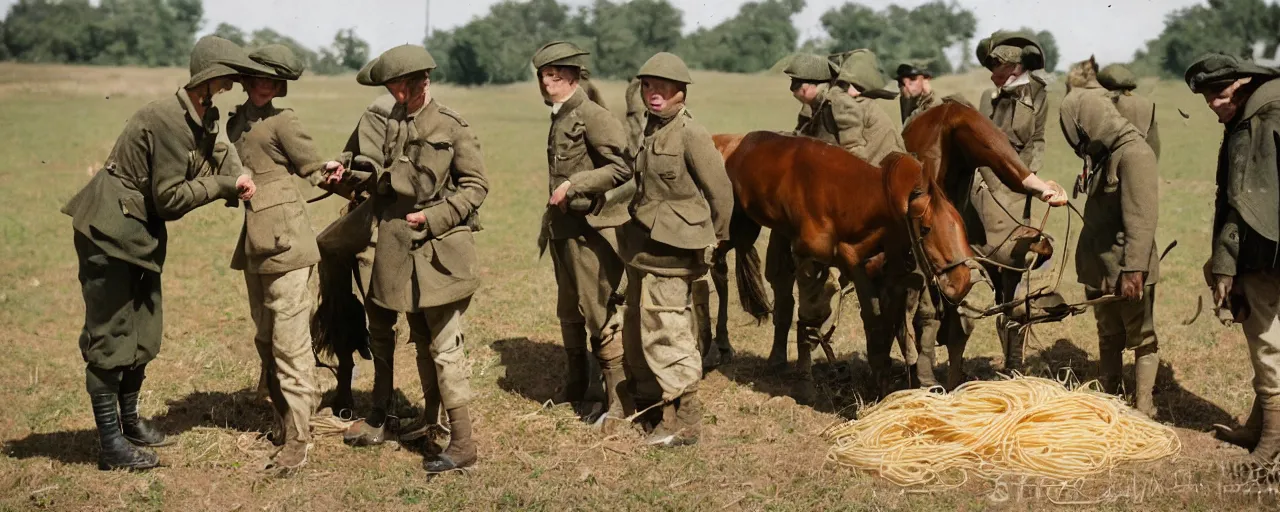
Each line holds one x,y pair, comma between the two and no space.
416,220
1131,285
1055,195
246,187
559,194
1222,288
336,171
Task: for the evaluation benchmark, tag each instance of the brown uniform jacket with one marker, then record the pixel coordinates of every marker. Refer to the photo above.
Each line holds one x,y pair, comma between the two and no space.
858,125
277,235
165,163
1020,111
1119,231
431,163
1246,221
585,146
1141,112
683,198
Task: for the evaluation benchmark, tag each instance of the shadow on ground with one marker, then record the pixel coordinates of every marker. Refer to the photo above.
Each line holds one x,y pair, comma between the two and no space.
533,370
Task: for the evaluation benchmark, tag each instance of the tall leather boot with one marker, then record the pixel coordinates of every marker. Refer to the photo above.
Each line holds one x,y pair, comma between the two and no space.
575,351
1247,435
1111,363
615,414
114,451
689,418
372,430
137,430
426,424
1146,366
781,329
461,452
1262,463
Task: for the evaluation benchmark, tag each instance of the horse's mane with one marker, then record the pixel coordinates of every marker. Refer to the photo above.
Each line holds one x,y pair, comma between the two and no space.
1082,73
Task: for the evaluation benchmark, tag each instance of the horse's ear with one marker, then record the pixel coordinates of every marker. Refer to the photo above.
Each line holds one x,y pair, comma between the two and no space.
917,202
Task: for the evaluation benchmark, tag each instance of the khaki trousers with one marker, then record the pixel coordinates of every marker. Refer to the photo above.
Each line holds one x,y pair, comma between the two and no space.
442,363
589,272
662,354
1262,329
1130,320
280,305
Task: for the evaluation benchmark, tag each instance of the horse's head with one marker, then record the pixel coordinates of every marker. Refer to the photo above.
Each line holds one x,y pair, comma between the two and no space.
936,232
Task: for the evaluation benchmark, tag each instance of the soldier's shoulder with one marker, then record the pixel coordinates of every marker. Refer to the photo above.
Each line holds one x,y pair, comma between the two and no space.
382,105
453,115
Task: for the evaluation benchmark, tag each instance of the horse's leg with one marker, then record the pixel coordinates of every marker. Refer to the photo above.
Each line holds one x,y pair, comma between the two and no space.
343,400
720,278
780,271
956,331
817,286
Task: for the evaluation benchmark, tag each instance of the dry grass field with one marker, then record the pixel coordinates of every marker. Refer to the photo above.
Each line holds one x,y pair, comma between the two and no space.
759,449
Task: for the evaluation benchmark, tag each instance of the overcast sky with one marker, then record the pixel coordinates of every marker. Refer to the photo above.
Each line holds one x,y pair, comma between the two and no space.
1112,29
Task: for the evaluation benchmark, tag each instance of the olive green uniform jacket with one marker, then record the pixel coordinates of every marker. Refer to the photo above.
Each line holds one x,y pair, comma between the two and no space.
431,163
683,199
1141,113
635,117
166,163
277,235
1119,232
1020,111
1247,209
585,147
858,125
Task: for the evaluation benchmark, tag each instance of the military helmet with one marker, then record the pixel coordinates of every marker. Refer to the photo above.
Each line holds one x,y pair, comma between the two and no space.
913,68
285,64
394,63
1116,77
1216,69
214,57
809,67
666,66
861,69
1008,46
561,53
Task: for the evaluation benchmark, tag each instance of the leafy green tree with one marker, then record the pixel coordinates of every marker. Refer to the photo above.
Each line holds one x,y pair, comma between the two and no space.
621,36
46,31
231,33
753,40
898,34
348,53
266,36
495,49
1229,26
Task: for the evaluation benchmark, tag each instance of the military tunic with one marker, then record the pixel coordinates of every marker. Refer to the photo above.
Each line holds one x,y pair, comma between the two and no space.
276,251
1121,212
586,146
1141,113
856,124
167,162
681,211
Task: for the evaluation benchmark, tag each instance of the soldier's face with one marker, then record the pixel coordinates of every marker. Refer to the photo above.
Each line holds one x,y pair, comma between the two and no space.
658,93
1224,100
1004,72
220,84
557,82
407,91
261,90
915,86
804,92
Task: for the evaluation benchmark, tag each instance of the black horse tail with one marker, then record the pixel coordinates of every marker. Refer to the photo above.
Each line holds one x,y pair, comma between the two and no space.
743,233
338,327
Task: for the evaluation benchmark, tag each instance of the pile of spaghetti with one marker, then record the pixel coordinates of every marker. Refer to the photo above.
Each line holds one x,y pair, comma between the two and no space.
1021,426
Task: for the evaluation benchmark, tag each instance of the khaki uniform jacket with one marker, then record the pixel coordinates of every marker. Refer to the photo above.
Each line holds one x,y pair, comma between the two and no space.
1247,207
635,117
856,124
585,146
431,164
165,163
1020,111
913,107
1119,232
684,199
277,236
1141,113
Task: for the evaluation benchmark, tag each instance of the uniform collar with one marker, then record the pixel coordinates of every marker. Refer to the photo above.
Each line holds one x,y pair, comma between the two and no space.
570,104
409,116
210,121
254,112
1265,94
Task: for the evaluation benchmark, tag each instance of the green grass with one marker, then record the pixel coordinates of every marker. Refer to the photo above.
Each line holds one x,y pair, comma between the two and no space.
57,124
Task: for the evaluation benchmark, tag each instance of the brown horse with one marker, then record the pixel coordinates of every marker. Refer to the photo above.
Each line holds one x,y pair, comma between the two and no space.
838,210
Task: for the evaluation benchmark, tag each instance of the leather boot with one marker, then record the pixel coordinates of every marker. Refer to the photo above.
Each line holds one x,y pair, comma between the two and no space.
461,452
293,455
1262,463
664,433
1111,363
137,430
809,335
925,377
426,424
615,414
1247,435
575,351
778,354
689,417
1012,337
1146,366
114,451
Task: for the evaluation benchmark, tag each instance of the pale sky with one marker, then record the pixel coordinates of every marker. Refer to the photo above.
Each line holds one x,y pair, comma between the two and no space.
1111,29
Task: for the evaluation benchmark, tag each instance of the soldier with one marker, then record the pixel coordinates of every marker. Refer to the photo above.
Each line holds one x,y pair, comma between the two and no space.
680,214
635,117
812,78
277,248
170,159
1138,110
1242,271
916,89
425,199
1116,252
586,157
1018,106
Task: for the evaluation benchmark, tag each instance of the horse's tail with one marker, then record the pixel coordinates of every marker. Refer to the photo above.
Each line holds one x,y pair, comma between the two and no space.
743,233
338,327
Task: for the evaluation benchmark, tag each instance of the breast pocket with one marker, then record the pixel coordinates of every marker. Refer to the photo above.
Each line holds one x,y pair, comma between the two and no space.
1024,123
268,218
571,146
432,160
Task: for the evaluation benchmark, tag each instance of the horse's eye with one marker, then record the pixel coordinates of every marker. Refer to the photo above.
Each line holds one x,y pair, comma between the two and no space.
924,230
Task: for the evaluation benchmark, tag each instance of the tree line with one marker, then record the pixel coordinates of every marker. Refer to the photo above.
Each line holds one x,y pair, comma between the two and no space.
621,34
